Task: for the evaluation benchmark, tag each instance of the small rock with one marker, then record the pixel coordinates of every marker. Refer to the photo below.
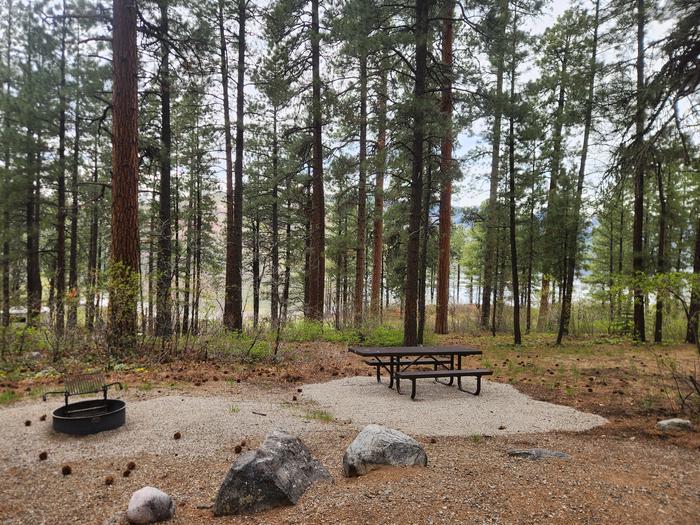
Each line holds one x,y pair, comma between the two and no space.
376,446
126,473
27,423
274,475
43,456
42,418
237,449
177,435
66,470
433,440
109,480
131,465
537,453
149,505
674,424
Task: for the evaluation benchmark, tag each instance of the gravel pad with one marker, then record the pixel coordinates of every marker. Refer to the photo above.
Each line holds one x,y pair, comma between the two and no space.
204,423
445,411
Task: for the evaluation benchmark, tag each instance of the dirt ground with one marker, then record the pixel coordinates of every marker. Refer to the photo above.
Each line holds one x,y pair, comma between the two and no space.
623,472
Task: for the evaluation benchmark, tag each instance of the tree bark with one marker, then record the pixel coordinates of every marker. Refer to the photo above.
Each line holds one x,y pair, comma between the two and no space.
73,255
125,163
6,204
639,165
60,276
164,261
361,248
91,309
237,314
490,259
446,168
517,336
572,238
661,255
550,220
275,262
317,265
413,244
375,296
229,289
423,264
691,335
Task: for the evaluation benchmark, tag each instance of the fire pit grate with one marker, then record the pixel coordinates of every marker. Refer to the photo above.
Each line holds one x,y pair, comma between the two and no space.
91,416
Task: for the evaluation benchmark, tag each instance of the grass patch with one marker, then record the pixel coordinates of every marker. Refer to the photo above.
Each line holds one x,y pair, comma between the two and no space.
8,396
233,409
320,415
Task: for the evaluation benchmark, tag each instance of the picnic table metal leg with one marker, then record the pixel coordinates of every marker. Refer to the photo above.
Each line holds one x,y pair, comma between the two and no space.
413,389
397,378
379,376
452,367
391,372
478,386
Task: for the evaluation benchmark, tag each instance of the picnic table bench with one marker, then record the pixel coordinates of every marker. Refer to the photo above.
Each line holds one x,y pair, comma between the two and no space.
400,363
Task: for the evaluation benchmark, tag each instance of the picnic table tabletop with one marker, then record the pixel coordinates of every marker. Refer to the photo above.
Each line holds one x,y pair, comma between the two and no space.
368,351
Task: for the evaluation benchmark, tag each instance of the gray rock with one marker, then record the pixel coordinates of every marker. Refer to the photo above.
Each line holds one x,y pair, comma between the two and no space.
537,453
150,505
376,446
274,475
674,424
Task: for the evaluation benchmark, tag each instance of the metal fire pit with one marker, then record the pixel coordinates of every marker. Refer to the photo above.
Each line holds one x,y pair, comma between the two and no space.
91,416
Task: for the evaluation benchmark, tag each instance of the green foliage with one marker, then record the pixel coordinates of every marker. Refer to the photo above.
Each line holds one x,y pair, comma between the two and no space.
8,396
381,335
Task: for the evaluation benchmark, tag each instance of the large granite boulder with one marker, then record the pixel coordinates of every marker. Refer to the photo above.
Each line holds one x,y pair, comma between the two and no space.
274,475
376,446
150,505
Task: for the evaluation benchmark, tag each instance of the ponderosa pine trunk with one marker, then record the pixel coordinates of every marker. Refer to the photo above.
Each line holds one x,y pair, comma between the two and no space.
91,307
517,336
446,168
423,264
414,221
377,268
572,237
639,165
60,276
275,257
125,180
237,283
317,265
361,248
73,254
549,219
691,335
229,300
6,205
490,256
661,255
164,326
256,270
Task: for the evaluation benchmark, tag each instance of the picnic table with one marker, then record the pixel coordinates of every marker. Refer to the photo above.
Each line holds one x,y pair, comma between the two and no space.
401,363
